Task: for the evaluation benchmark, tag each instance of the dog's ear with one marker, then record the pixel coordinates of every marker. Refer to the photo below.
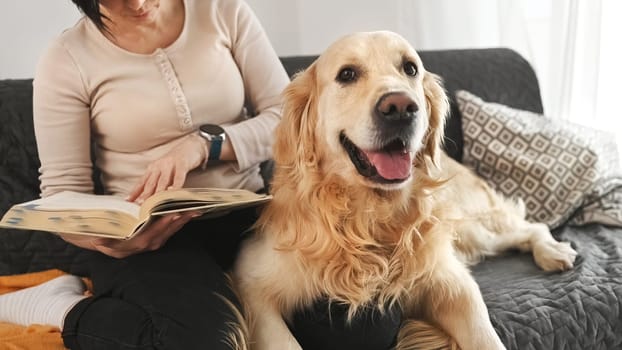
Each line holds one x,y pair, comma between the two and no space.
438,107
295,133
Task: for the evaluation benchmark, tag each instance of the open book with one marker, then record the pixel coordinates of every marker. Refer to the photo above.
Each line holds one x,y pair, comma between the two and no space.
113,217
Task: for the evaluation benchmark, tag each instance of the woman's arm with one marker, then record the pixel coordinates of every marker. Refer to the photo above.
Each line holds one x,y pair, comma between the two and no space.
264,80
62,123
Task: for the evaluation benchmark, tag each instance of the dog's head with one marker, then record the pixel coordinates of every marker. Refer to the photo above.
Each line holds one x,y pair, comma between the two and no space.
366,109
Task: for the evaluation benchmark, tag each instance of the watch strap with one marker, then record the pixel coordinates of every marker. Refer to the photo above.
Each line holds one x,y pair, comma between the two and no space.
215,149
215,135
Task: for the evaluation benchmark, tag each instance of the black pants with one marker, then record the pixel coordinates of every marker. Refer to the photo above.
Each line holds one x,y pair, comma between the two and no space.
325,327
171,298
165,299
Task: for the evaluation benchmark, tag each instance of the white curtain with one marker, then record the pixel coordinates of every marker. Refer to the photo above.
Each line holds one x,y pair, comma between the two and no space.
572,45
581,72
608,109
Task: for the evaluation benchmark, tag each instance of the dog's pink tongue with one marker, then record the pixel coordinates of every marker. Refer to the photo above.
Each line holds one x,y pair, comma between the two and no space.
393,165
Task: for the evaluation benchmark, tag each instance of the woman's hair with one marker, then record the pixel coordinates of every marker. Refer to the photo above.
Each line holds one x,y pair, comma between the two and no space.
90,8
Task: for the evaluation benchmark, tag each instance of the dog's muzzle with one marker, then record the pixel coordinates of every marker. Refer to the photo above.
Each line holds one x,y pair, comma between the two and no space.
390,164
395,115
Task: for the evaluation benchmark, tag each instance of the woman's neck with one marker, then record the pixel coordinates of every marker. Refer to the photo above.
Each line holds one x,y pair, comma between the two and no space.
144,37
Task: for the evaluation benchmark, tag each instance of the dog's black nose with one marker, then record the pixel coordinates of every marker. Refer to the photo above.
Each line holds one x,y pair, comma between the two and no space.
396,106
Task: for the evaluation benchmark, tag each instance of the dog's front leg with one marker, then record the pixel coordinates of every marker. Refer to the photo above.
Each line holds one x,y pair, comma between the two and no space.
268,329
267,296
452,300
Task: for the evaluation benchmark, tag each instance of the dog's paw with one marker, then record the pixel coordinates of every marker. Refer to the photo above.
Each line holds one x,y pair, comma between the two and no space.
551,255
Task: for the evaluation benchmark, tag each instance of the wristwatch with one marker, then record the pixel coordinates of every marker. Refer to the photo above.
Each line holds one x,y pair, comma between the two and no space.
216,136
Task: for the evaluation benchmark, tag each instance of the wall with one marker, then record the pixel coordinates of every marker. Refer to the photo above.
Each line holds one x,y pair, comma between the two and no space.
26,26
295,27
307,27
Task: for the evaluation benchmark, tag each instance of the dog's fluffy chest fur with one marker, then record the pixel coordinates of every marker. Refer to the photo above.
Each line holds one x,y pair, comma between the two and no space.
360,258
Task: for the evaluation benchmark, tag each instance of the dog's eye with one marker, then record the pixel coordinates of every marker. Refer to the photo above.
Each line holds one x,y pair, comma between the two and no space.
346,75
410,68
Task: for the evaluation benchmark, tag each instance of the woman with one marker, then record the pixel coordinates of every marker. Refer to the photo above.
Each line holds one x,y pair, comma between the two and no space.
138,78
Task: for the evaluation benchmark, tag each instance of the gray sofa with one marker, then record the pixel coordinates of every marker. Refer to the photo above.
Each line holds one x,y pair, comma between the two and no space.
530,309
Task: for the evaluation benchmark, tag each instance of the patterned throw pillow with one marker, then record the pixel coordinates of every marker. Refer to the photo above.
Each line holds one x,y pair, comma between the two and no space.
605,209
554,166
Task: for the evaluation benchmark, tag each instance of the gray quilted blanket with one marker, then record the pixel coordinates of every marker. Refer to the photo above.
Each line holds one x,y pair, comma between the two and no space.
578,309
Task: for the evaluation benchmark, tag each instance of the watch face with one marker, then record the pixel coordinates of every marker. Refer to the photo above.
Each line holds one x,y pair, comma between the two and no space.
212,129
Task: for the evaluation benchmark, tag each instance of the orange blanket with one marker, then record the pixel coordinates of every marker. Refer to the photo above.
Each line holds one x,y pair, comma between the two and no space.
34,337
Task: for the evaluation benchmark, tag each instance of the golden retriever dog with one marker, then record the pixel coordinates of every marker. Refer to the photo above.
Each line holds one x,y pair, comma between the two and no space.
368,211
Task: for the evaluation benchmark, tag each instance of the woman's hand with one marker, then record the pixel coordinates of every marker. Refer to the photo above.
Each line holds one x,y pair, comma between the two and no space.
151,238
171,170
167,172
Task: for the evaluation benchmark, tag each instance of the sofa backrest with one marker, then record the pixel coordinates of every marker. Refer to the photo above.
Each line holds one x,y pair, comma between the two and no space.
19,162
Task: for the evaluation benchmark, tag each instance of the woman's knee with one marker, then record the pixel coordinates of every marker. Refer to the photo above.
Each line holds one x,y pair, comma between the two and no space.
217,324
179,299
111,323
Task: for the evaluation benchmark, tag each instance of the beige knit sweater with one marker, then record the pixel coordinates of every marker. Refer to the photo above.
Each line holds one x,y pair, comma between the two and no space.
138,107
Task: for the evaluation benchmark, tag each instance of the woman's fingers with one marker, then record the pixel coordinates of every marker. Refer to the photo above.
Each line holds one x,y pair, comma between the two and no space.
152,238
150,185
162,229
138,189
179,179
165,179
163,174
171,170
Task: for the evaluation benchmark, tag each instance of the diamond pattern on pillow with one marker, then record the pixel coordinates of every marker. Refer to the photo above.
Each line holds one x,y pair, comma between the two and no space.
554,166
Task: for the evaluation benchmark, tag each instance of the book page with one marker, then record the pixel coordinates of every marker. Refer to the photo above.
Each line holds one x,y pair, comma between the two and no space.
210,207
76,201
188,198
110,224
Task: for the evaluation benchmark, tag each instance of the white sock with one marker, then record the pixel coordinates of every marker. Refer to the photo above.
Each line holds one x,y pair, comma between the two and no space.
47,303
